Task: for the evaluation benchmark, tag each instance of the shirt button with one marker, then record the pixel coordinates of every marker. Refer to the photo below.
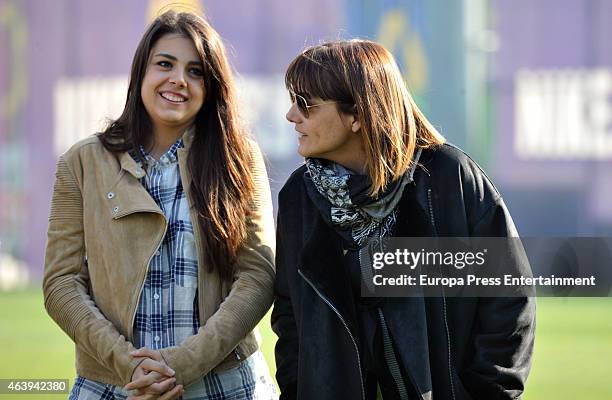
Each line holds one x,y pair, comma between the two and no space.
157,338
156,296
110,195
157,253
115,209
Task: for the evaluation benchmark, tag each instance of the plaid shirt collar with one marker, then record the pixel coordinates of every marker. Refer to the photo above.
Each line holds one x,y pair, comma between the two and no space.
169,157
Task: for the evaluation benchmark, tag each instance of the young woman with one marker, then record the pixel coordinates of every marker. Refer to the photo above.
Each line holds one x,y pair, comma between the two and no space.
161,233
375,167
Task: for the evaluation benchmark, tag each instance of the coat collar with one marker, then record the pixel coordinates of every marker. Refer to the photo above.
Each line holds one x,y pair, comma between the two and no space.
130,165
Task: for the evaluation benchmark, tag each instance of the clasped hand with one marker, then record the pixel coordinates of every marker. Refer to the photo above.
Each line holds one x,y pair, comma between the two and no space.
152,378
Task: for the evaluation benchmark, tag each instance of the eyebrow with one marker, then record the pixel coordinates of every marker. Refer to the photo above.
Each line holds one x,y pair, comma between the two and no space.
170,56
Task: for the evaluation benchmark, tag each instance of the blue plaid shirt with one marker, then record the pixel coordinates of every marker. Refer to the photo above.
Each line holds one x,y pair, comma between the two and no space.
167,312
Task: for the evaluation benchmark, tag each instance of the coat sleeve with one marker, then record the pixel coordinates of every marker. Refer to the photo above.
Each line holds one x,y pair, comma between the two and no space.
283,322
504,330
65,282
250,296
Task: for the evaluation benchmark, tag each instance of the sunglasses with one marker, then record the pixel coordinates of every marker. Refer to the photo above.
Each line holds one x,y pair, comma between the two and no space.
302,103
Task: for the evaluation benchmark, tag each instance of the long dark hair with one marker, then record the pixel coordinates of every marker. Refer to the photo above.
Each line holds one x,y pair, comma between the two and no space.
363,77
222,184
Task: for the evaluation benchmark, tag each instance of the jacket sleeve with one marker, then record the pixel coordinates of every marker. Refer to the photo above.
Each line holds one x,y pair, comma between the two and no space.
65,281
283,323
504,330
250,296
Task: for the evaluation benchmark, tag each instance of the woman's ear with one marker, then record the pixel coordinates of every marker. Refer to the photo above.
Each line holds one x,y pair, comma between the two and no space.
355,125
351,121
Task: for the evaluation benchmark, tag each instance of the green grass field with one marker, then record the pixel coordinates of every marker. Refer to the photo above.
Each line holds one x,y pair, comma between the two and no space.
573,358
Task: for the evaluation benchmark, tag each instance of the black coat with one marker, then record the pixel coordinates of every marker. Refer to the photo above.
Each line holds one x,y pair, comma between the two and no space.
479,348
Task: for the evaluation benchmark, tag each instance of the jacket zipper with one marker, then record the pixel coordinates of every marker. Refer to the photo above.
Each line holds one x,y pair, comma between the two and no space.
447,331
431,212
326,300
450,371
147,266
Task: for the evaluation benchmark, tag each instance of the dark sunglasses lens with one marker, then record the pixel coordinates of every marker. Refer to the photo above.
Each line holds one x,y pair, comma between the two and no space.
300,101
302,105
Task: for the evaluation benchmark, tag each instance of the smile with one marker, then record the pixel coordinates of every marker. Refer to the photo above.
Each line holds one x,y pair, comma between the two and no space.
173,97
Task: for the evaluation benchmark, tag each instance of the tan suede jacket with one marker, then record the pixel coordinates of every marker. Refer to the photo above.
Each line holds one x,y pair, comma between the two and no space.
103,231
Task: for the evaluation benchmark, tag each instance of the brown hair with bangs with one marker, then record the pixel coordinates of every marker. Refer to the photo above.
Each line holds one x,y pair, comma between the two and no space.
222,184
364,79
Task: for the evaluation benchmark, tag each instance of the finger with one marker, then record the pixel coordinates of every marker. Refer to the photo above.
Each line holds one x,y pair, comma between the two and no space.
144,352
160,387
164,386
144,381
142,397
155,388
175,393
141,392
152,365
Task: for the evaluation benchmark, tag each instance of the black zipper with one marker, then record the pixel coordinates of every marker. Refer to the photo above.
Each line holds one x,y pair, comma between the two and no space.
450,370
335,310
431,212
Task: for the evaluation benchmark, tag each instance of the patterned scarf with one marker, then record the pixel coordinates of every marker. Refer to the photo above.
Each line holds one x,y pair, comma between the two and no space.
346,205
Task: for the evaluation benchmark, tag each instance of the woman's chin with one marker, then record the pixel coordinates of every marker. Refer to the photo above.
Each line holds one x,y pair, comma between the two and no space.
305,152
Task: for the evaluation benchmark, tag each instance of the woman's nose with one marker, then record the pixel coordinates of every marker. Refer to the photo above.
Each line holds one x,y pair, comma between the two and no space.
178,78
293,114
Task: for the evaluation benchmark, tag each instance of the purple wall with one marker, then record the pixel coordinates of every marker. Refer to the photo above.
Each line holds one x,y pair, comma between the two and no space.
551,195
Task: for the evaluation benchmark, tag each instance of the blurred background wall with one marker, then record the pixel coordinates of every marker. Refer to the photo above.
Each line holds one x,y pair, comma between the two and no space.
523,86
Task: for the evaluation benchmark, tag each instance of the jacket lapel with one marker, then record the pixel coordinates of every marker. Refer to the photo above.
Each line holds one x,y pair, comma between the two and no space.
321,263
127,195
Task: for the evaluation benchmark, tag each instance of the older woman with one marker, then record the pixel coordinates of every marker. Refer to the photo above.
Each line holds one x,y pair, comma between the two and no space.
376,168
